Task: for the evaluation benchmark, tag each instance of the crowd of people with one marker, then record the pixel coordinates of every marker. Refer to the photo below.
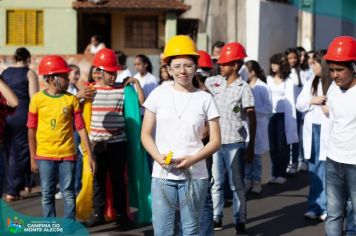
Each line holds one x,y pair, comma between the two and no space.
205,123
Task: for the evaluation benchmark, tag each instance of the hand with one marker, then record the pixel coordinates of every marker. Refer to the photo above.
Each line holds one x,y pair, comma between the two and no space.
184,162
160,159
250,153
86,93
319,100
92,165
130,80
34,167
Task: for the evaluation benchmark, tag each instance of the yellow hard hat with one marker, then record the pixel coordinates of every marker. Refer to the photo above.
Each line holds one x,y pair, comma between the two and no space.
180,45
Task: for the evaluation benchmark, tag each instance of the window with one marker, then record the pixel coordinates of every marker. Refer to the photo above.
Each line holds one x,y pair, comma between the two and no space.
24,27
141,32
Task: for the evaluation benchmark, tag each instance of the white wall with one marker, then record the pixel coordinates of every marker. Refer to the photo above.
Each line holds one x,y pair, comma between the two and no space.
277,30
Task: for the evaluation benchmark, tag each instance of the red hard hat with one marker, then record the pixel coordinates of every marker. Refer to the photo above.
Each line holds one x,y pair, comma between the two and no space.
53,65
106,59
342,48
204,60
232,52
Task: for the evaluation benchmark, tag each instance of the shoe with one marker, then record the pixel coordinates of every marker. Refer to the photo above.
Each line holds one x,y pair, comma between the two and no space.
240,228
272,180
218,225
58,196
124,223
310,215
291,170
323,216
248,185
280,180
256,187
95,220
10,198
302,166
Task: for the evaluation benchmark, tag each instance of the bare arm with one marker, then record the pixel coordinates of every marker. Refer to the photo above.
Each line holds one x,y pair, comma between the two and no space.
87,49
8,94
33,85
33,146
84,138
140,94
148,125
252,123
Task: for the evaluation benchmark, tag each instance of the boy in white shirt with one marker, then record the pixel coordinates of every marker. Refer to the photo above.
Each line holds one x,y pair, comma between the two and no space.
340,170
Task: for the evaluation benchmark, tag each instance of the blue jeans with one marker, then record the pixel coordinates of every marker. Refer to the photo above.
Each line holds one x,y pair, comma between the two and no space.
49,171
229,158
278,147
79,164
253,170
316,197
206,216
163,212
340,184
297,148
350,227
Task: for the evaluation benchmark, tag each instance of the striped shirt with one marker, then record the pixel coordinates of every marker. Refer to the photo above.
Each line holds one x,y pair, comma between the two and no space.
107,120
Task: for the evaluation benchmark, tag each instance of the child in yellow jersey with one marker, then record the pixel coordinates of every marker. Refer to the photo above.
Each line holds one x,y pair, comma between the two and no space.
52,113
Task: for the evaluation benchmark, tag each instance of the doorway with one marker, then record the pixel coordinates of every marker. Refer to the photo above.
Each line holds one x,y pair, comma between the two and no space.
90,24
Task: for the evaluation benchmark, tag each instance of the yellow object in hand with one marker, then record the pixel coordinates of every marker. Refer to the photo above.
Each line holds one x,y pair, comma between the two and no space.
168,159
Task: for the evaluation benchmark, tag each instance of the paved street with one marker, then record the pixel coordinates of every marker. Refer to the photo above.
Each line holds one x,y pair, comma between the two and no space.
277,211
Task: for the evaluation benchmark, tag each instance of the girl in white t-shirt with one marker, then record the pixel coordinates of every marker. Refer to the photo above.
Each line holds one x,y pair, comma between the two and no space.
263,108
300,73
282,127
315,134
178,114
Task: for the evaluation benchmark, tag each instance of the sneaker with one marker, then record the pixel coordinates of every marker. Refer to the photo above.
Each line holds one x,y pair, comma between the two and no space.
240,228
256,187
272,180
58,196
280,180
218,225
95,220
291,170
302,166
310,215
323,216
248,185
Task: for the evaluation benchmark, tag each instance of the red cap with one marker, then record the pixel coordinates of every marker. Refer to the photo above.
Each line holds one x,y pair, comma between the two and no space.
232,52
342,48
204,60
53,65
106,59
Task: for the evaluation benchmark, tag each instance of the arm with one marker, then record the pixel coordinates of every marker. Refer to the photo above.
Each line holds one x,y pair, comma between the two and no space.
8,94
84,138
211,147
33,85
140,94
87,49
148,125
32,145
252,123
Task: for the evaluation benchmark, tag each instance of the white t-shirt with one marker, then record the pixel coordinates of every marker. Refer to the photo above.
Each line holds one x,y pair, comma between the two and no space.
263,108
148,83
278,92
181,136
342,114
94,49
121,75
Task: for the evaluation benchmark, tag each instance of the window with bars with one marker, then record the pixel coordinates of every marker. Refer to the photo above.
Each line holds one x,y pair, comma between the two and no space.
141,32
24,27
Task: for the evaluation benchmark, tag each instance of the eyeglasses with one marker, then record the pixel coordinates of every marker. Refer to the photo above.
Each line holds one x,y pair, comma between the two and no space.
186,67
